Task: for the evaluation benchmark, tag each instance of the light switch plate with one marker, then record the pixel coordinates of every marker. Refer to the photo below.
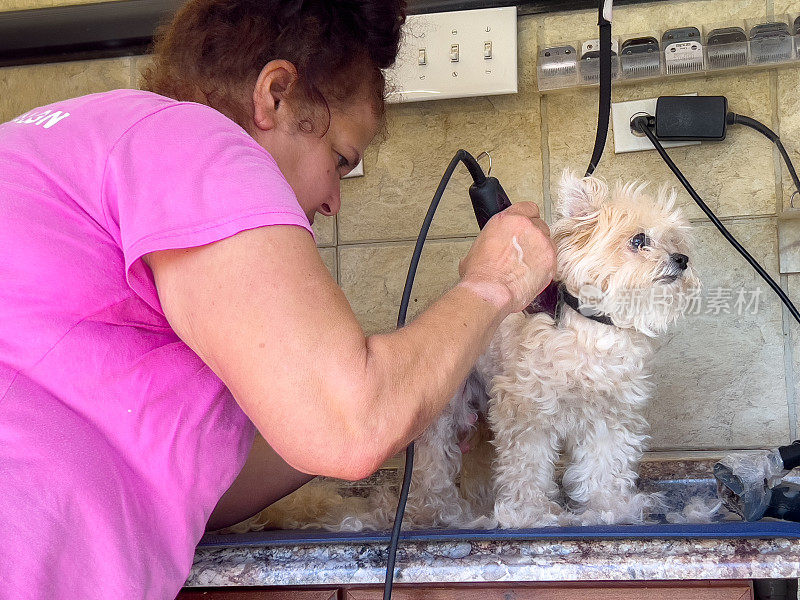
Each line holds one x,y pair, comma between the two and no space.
472,74
627,141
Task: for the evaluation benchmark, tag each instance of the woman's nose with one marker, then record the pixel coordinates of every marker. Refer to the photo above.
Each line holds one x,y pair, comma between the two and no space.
332,206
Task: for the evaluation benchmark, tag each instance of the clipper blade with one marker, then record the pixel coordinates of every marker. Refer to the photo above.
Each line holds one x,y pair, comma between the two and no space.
726,47
590,61
640,57
558,66
770,42
683,51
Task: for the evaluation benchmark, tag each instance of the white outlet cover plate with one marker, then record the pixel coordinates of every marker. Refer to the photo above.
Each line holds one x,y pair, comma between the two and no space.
624,138
472,75
358,170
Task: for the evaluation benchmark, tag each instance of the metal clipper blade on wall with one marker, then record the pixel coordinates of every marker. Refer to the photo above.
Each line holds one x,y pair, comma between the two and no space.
770,42
590,61
640,57
683,50
726,47
557,65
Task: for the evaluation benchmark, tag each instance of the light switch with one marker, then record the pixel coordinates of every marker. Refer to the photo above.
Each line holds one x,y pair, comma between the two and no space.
454,53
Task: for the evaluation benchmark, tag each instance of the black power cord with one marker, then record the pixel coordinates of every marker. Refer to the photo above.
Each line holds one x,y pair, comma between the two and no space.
479,180
734,119
604,104
645,124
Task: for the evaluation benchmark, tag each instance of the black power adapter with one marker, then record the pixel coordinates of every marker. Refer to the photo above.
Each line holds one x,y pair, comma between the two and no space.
706,118
691,118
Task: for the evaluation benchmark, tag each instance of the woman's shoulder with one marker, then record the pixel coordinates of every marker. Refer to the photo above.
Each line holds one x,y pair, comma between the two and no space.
103,118
128,107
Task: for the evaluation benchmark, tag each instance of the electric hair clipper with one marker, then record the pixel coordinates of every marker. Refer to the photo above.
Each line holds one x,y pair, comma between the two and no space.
488,199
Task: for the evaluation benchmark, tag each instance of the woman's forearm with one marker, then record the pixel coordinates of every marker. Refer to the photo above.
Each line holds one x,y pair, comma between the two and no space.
413,372
281,335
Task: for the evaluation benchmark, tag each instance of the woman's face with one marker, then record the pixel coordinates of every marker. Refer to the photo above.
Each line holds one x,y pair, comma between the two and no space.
313,164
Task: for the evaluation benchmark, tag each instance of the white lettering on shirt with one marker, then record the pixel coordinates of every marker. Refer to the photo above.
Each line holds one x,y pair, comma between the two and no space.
45,118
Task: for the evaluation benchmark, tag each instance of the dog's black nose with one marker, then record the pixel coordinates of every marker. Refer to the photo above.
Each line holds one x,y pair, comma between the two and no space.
680,259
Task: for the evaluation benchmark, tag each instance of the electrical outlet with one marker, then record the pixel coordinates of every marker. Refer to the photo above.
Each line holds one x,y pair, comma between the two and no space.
456,54
358,170
625,140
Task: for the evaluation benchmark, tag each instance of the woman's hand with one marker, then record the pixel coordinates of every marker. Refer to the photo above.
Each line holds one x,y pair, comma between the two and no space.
512,260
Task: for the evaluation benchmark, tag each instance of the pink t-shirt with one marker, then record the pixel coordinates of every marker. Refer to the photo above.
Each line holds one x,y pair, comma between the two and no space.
116,440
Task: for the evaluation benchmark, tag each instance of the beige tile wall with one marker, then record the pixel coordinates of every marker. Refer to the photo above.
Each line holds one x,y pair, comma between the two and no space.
789,125
720,374
724,380
23,88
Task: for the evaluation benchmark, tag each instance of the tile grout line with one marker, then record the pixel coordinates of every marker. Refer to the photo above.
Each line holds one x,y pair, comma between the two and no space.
336,249
471,236
788,364
131,68
776,127
544,133
791,400
338,268
544,129
406,242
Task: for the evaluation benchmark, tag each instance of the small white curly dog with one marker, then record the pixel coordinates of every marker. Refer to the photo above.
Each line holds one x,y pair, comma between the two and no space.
553,382
569,383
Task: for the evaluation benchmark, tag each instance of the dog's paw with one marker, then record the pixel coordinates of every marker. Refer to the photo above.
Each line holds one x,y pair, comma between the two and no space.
515,516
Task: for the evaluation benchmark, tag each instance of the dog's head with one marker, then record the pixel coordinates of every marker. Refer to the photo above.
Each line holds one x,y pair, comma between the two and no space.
625,253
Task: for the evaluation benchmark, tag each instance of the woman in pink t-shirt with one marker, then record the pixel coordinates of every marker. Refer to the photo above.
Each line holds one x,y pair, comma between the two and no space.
163,294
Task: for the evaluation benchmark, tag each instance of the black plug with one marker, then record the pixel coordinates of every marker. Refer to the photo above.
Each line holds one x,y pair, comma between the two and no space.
690,118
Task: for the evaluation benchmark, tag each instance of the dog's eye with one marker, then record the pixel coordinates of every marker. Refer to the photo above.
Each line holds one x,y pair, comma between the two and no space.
640,240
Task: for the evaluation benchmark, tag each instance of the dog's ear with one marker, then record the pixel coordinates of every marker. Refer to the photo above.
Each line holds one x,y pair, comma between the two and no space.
579,197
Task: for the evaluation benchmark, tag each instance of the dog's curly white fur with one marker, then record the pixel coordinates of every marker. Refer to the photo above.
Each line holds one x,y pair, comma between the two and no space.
570,386
573,386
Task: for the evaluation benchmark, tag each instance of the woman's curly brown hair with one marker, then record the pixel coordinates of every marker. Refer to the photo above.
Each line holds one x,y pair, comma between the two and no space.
213,51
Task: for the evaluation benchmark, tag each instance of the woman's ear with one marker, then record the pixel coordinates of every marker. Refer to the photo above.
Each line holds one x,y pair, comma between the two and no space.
272,87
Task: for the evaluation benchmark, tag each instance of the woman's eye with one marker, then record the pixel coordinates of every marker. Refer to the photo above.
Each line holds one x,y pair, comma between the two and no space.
343,162
640,240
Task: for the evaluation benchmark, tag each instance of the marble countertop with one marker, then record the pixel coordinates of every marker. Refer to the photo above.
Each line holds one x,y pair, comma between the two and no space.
496,560
771,550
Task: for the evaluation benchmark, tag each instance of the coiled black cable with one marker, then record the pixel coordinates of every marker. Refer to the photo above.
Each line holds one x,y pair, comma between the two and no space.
644,124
